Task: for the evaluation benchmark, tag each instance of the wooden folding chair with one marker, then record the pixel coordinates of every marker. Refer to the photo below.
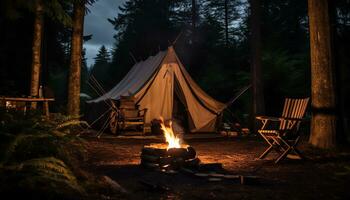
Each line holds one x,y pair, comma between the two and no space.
282,133
127,115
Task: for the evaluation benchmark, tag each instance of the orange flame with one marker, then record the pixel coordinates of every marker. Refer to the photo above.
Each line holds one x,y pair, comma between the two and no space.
171,138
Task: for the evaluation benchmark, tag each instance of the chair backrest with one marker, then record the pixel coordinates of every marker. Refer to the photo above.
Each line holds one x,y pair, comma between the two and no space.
128,107
293,109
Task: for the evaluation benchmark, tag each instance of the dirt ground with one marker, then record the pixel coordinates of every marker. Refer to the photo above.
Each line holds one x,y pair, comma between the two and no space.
323,175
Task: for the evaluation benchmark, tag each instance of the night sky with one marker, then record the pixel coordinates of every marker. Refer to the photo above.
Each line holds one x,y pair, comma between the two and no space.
96,23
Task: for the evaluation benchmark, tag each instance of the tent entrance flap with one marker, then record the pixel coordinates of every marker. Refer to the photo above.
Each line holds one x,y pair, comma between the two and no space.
180,110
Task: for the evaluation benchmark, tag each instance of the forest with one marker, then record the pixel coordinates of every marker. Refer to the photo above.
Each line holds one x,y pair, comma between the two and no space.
279,49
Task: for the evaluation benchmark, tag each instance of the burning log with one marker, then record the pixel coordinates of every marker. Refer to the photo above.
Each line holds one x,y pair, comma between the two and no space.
172,155
158,156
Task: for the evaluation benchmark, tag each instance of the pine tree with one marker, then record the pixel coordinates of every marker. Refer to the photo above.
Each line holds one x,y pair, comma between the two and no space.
100,68
258,95
36,50
76,59
323,94
143,28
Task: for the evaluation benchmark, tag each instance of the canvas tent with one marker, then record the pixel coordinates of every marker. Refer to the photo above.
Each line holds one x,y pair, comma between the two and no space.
156,81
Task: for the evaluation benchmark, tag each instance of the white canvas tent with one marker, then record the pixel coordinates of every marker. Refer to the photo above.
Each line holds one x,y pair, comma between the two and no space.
155,81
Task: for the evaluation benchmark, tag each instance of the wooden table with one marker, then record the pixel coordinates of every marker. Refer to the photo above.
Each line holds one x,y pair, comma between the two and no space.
45,102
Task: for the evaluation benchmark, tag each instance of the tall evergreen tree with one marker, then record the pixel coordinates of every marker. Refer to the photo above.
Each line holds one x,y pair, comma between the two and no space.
323,96
257,84
36,51
194,14
53,9
76,59
143,28
228,13
74,79
100,68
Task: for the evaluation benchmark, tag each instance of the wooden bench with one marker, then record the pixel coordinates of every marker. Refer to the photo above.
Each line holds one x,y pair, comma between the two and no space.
21,103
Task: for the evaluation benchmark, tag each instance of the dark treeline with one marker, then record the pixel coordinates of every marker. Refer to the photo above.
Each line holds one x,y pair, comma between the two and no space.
216,49
212,40
16,36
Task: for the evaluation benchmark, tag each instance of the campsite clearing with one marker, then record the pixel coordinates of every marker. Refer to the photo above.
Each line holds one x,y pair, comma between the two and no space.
320,177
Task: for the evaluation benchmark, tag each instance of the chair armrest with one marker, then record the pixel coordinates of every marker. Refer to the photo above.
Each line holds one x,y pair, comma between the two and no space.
292,119
128,109
279,118
142,112
268,121
268,118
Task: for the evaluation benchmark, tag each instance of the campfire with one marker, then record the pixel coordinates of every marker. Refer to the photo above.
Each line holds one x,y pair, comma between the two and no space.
170,155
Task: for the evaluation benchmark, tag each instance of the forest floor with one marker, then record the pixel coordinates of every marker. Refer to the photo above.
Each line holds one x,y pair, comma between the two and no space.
323,175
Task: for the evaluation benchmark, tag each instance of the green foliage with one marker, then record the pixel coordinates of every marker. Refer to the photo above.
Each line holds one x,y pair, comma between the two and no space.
23,136
25,147
55,9
43,178
16,122
38,160
73,123
287,71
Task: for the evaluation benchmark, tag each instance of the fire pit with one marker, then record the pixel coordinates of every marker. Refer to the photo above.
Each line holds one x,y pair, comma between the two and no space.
158,156
173,155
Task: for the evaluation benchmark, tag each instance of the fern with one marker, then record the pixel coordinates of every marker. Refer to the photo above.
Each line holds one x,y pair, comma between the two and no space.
51,169
73,123
12,147
25,147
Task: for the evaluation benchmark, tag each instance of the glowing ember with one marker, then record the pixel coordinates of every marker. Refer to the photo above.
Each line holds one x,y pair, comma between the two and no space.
171,138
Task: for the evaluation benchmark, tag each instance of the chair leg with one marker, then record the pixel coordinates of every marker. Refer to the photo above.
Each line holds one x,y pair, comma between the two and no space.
268,150
283,155
263,155
297,152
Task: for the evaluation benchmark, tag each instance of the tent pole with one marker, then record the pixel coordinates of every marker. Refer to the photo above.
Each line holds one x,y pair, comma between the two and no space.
177,37
133,57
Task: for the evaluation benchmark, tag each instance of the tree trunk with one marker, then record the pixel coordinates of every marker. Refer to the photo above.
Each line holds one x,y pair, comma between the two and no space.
257,83
323,122
226,22
76,59
194,14
36,50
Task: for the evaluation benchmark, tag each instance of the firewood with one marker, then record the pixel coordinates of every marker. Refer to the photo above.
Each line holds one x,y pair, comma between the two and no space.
150,158
192,163
216,175
232,177
249,180
214,179
177,163
165,160
149,165
210,167
187,171
170,171
201,174
154,151
191,153
177,152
